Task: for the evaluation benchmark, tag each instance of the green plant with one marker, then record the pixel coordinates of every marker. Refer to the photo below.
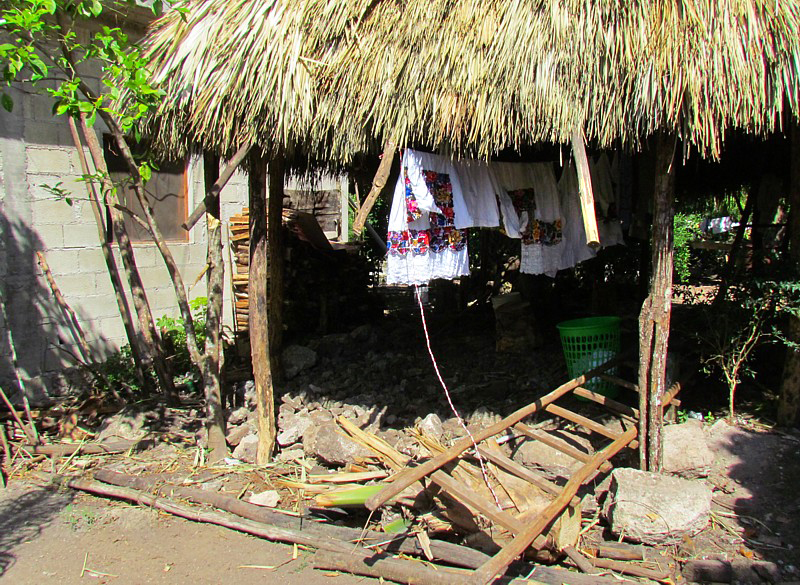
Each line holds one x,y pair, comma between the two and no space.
173,334
686,229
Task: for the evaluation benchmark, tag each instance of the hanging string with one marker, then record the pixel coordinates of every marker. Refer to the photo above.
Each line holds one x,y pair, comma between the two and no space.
481,461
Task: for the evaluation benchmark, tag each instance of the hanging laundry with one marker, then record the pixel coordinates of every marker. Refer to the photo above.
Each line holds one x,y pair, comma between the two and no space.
608,225
575,249
424,239
479,189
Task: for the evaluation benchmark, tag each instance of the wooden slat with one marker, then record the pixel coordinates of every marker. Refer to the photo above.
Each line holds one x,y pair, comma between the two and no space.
556,443
497,565
522,472
581,420
622,409
467,495
619,382
414,474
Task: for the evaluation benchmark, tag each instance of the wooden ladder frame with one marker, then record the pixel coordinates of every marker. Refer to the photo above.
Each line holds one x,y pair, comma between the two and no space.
528,530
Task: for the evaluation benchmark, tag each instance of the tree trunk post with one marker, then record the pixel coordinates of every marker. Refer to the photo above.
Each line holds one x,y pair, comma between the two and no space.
655,316
212,355
258,313
150,338
276,247
789,401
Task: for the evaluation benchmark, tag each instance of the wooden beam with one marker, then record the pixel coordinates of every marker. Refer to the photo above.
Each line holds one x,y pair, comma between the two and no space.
585,190
378,183
257,316
212,195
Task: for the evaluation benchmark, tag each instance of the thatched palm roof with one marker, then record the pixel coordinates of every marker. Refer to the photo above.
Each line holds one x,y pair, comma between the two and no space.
471,75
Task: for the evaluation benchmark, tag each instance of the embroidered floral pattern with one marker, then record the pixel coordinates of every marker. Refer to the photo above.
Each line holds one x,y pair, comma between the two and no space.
442,235
419,242
546,233
412,207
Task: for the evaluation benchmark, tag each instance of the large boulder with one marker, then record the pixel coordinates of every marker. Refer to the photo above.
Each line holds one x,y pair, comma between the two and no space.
656,509
686,453
329,443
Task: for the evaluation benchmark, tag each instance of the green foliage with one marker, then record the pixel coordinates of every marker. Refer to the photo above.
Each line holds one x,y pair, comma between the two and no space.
686,229
173,334
119,371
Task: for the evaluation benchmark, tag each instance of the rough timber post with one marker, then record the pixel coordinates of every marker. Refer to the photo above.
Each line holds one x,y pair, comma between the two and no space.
655,316
789,402
257,293
276,253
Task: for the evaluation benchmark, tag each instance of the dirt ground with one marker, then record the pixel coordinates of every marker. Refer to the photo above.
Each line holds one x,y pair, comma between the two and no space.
68,537
46,537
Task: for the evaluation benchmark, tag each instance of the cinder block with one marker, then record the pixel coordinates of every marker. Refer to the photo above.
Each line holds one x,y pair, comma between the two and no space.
49,160
51,211
90,259
63,261
53,132
97,306
81,235
50,235
78,285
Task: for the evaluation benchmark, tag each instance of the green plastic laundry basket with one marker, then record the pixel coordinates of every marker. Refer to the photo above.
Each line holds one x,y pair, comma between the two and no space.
589,343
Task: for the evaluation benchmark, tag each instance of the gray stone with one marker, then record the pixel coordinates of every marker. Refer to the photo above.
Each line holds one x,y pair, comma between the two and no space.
128,425
268,499
293,429
291,455
686,453
236,434
656,509
432,425
296,359
238,416
535,453
329,443
247,449
481,418
362,333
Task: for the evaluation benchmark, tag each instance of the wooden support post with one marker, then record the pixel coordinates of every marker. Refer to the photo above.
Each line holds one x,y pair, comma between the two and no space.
384,168
585,189
655,316
276,255
789,403
257,315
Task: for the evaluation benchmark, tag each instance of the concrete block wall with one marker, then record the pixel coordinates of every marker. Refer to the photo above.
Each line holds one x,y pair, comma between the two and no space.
36,149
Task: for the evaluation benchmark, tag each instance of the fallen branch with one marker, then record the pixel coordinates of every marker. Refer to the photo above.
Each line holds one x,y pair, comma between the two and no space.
631,569
66,449
266,531
442,551
579,559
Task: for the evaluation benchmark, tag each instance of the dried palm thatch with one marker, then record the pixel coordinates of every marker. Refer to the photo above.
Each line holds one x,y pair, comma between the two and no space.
471,76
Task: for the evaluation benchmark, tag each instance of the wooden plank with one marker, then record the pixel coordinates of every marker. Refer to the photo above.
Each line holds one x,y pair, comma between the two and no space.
414,474
585,422
619,381
558,444
498,564
467,495
585,190
622,409
522,472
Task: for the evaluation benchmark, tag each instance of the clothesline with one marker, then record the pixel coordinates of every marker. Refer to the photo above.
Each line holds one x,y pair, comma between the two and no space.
436,199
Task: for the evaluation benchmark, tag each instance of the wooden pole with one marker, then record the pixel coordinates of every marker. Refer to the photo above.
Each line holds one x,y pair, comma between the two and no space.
789,402
378,183
257,315
212,352
655,315
585,190
276,256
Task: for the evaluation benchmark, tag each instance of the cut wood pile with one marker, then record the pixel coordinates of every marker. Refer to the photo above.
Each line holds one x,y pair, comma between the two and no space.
329,283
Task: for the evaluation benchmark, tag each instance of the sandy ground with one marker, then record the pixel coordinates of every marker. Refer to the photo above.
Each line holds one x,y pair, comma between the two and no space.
45,537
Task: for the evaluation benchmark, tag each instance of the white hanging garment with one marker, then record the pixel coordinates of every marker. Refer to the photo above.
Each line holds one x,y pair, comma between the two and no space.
423,241
575,249
608,225
543,243
481,192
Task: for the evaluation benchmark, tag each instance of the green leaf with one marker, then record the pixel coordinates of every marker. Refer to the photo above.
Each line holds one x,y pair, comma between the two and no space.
68,200
145,171
91,119
158,7
8,103
97,7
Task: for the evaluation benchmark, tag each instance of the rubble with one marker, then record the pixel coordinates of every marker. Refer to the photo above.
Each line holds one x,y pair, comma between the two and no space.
655,509
296,359
327,443
247,449
268,499
129,424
